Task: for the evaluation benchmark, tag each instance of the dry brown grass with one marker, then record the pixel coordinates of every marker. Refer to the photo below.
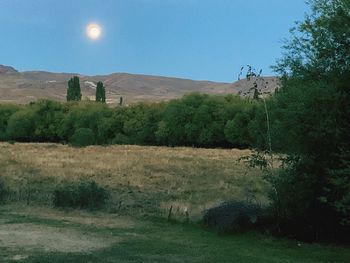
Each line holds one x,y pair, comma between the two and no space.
144,180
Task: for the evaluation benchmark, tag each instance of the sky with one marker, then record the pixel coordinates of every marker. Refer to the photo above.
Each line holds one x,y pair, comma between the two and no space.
195,39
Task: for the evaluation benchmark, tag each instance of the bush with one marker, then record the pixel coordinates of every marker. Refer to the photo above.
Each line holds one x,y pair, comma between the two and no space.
232,217
120,139
6,111
21,125
3,191
83,195
49,116
82,137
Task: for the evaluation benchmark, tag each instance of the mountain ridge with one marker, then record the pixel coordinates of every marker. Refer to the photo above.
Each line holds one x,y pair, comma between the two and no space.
27,86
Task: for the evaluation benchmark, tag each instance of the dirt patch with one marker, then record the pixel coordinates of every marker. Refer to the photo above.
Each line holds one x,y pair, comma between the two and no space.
96,219
32,237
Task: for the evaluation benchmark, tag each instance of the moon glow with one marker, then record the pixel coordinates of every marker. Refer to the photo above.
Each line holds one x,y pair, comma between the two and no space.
93,31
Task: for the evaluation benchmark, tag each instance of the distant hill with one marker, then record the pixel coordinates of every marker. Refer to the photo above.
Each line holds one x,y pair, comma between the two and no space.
23,87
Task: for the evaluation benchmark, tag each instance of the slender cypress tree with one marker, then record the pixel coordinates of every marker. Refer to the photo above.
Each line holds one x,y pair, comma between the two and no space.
74,91
100,92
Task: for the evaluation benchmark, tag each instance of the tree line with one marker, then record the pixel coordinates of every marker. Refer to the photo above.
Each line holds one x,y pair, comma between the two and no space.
195,120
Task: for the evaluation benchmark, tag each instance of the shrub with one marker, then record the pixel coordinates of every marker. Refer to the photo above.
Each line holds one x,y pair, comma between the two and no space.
6,111
3,191
49,116
21,125
120,139
83,195
236,130
232,217
82,137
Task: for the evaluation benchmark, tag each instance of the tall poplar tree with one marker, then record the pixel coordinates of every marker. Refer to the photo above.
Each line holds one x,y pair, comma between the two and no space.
100,92
74,91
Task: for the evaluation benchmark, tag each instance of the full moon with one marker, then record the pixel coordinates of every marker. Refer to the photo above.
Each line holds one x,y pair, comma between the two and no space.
93,31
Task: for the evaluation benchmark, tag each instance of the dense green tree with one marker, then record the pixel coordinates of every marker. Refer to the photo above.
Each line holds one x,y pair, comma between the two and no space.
313,116
83,137
21,125
48,118
194,120
237,130
74,91
100,92
5,113
84,115
142,123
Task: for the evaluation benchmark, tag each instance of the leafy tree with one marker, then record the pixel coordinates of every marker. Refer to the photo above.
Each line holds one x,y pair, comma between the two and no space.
74,91
21,125
121,139
313,109
100,92
84,115
237,130
83,137
6,112
194,120
48,118
142,122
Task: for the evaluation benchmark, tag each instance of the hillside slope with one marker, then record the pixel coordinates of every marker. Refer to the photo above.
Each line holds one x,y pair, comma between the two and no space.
23,87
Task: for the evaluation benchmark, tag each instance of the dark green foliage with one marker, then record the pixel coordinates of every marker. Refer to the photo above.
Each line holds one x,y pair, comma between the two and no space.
21,125
100,92
3,191
141,123
198,120
312,123
237,130
121,139
232,217
82,137
83,195
86,115
195,120
74,91
5,113
48,118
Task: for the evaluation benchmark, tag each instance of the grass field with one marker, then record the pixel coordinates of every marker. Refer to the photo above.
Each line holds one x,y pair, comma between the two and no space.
144,182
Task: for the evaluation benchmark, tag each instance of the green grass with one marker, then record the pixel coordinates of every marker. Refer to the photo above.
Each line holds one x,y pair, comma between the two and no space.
156,240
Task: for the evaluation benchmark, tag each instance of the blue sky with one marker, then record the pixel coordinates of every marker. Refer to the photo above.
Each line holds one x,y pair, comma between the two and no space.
197,39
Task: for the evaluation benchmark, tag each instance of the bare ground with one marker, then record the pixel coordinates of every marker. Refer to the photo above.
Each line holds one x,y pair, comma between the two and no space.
26,231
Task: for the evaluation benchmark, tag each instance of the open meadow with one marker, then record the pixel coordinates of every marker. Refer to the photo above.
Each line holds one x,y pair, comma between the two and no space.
144,183
141,180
